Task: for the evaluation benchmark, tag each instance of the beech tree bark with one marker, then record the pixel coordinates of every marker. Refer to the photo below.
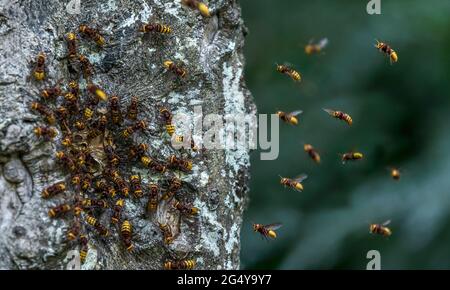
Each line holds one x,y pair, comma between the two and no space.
129,65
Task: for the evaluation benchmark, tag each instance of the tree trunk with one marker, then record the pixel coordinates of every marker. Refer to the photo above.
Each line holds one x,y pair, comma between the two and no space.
130,64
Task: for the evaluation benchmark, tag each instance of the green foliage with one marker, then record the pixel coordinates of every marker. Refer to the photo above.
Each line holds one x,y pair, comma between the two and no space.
401,118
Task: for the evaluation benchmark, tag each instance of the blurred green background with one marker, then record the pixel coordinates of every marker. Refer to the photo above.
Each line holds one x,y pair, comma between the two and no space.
401,116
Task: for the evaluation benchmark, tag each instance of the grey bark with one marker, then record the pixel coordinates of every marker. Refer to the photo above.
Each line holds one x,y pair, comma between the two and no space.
210,48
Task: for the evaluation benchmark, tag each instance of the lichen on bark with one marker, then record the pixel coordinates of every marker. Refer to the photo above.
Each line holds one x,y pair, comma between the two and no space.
130,65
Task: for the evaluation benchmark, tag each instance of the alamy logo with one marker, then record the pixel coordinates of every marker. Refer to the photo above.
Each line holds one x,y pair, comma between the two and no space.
230,132
375,260
74,260
373,7
73,7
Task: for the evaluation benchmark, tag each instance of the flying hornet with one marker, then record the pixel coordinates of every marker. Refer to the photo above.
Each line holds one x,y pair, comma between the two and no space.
340,115
381,229
295,183
312,152
351,156
289,71
312,48
267,231
395,173
385,48
97,92
290,118
200,6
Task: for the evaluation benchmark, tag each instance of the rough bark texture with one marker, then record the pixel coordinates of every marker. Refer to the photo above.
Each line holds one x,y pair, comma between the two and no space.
210,48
